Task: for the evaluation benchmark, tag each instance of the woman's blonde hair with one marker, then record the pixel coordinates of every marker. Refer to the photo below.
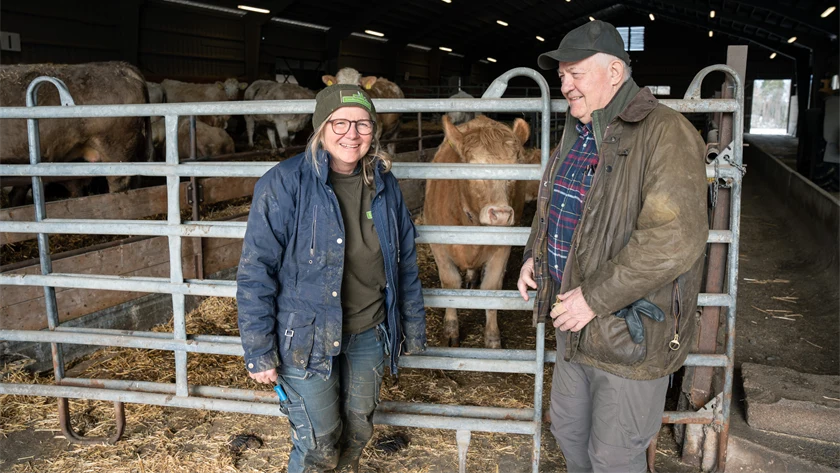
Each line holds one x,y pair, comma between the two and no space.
375,155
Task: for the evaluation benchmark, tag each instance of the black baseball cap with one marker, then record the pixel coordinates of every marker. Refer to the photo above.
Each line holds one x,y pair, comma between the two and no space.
584,41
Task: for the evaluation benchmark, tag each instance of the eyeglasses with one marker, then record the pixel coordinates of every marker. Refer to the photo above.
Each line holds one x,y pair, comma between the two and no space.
341,126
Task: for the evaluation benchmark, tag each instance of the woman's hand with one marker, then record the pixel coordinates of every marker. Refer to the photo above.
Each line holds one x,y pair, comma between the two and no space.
266,377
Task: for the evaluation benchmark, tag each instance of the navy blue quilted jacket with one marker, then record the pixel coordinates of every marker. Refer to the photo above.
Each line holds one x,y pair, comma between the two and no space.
290,273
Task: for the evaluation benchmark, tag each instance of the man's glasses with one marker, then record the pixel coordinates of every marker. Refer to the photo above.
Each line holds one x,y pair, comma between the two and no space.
341,126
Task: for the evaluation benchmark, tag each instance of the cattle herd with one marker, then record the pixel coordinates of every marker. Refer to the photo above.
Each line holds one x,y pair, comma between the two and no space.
473,138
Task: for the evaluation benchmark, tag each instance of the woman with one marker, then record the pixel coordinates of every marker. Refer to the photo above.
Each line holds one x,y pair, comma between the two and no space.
328,282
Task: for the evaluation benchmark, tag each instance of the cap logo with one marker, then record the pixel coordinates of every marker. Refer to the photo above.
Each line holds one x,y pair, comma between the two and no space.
358,97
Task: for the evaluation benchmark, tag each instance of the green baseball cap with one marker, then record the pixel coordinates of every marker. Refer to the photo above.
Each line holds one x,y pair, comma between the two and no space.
336,96
584,41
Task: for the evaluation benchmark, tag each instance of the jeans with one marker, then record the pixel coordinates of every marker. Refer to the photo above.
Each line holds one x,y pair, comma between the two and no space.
332,419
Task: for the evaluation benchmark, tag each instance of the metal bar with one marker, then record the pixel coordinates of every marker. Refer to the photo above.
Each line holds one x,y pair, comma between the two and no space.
232,394
457,298
498,413
688,417
479,235
39,203
125,341
442,422
520,172
489,366
155,399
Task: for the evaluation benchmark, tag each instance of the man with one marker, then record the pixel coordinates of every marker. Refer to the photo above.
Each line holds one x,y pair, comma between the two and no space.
615,253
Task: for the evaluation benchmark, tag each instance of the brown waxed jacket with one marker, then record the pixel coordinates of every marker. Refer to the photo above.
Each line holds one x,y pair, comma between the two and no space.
643,229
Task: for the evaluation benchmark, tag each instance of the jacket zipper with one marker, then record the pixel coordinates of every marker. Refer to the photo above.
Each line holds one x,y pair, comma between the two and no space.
396,234
314,225
676,309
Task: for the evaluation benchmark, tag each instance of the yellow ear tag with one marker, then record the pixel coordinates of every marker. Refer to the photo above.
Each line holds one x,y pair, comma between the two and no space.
329,82
367,87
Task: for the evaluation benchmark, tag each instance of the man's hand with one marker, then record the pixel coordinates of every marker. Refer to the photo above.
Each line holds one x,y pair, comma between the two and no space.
571,312
265,377
526,278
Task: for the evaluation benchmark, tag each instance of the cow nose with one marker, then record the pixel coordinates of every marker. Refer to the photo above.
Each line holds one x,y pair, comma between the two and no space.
497,215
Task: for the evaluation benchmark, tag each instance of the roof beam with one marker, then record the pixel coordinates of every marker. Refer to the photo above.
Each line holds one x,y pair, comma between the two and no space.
789,13
784,49
804,39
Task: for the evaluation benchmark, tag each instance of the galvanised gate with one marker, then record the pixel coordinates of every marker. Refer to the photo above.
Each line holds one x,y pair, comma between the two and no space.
725,168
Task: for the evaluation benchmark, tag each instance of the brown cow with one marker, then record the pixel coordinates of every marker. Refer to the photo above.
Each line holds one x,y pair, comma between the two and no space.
178,92
92,139
532,156
378,88
474,203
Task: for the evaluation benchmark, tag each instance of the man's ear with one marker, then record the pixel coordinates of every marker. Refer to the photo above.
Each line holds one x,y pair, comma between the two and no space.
616,70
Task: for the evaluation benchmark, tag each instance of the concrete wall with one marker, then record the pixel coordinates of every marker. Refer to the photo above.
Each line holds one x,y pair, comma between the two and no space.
819,208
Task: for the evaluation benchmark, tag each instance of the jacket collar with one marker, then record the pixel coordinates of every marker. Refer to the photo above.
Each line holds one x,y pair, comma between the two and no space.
639,107
603,117
323,167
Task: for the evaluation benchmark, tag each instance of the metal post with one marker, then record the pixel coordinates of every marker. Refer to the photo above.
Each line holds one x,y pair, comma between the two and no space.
41,210
176,273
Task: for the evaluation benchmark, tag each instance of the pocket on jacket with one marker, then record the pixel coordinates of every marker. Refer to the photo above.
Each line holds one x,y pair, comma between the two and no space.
297,337
607,339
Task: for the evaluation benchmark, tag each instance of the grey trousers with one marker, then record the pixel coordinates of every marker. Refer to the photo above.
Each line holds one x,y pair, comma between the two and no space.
602,422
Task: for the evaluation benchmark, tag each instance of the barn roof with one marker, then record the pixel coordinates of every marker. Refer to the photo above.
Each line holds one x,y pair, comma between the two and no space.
470,27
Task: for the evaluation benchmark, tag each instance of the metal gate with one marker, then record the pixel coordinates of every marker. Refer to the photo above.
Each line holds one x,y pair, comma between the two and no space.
462,419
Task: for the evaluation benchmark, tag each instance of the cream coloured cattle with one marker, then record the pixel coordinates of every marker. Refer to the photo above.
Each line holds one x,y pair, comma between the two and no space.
209,140
378,88
156,93
287,125
461,117
177,92
475,203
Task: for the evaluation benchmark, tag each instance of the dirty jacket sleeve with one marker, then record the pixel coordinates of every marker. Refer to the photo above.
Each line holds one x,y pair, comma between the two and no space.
671,230
410,303
257,281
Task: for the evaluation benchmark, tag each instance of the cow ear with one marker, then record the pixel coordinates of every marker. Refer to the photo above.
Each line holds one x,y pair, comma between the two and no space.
367,82
328,80
243,85
521,130
220,85
453,134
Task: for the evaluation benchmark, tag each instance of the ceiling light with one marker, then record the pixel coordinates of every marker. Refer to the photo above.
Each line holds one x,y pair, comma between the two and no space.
447,1
828,11
773,56
483,61
792,39
254,9
567,1
711,33
712,14
503,23
650,15
540,38
491,59
444,48
591,19
374,33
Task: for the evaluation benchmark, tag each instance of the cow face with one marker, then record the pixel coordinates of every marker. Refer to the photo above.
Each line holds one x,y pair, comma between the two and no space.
232,88
484,141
